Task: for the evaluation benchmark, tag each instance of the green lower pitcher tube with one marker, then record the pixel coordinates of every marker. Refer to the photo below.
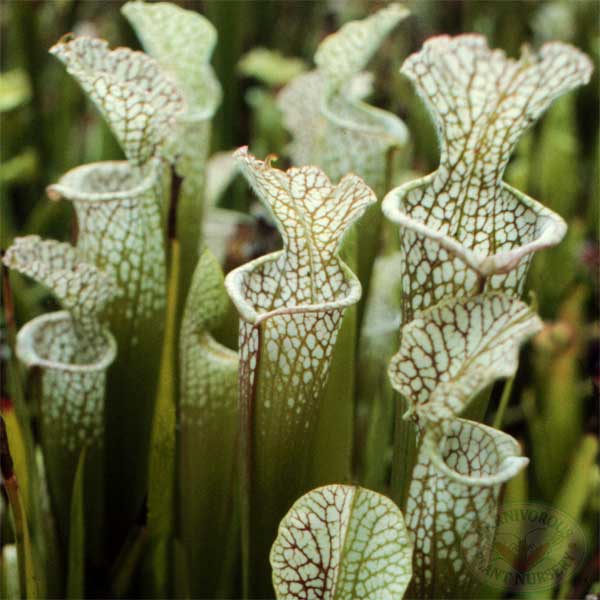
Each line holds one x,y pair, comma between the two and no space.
71,399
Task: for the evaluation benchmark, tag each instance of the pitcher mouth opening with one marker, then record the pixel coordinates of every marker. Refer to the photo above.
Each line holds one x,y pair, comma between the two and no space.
235,283
508,463
382,123
29,352
550,230
106,181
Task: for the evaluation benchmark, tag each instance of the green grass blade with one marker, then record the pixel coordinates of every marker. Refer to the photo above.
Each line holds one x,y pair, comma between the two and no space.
162,452
209,421
28,577
76,568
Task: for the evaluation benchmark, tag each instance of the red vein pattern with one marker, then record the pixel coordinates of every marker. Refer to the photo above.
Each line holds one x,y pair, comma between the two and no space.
463,228
136,98
447,355
341,543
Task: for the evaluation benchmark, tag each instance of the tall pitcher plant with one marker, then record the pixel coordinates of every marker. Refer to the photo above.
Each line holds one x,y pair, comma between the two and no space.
332,125
159,109
182,42
119,207
291,304
464,231
71,351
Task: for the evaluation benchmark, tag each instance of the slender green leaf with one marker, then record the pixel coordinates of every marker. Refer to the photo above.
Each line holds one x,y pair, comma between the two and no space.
556,426
573,497
15,89
18,451
571,500
162,451
270,66
375,398
127,562
76,569
209,427
28,577
20,168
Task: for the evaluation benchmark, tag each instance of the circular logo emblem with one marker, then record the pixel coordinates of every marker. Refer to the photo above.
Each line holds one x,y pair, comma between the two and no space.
534,546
